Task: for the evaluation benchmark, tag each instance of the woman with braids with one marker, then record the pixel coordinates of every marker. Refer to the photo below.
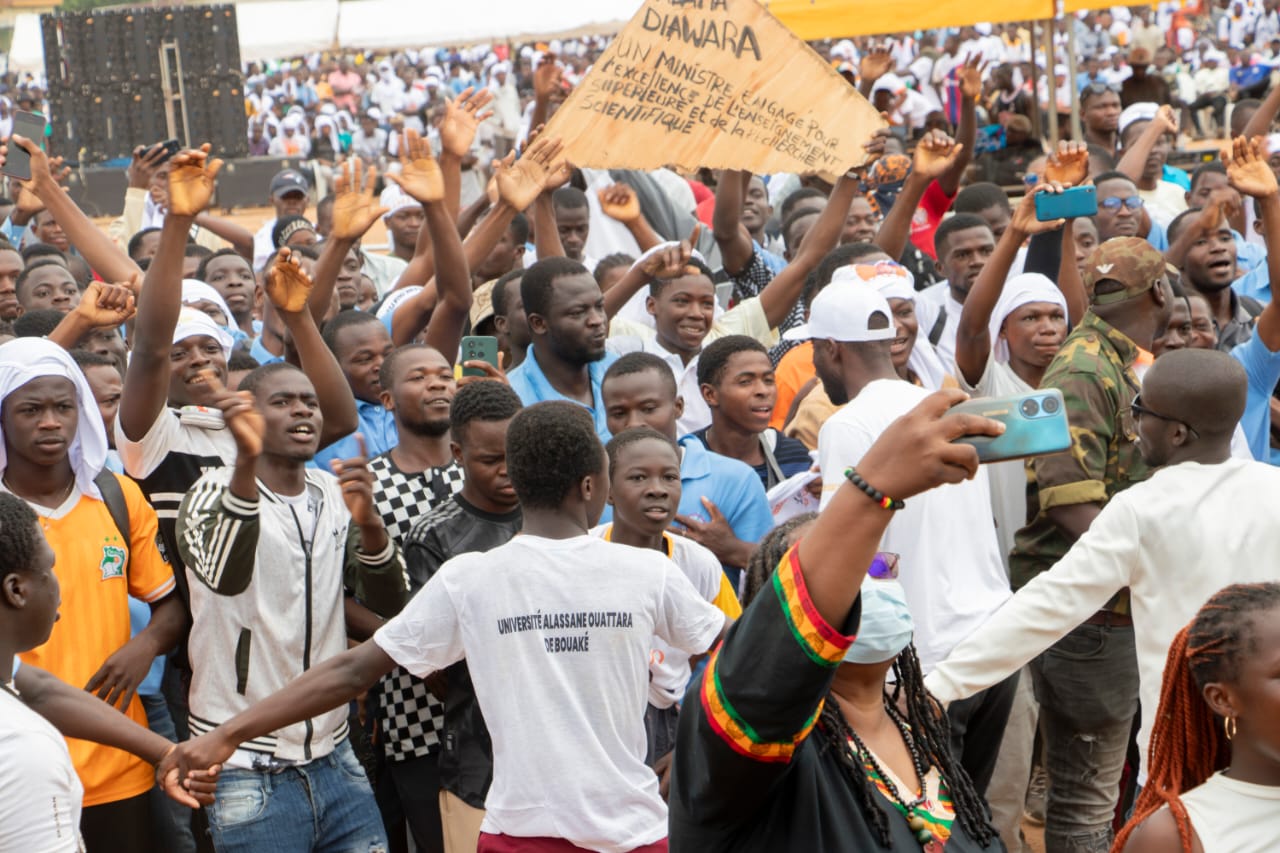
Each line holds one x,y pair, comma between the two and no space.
1213,782
791,740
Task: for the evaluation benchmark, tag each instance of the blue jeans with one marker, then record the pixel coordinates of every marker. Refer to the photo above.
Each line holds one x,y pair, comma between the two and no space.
170,820
323,806
1087,687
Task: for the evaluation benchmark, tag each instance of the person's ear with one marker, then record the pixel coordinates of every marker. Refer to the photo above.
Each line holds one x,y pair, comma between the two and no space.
678,408
1221,699
1181,435
709,395
651,305
13,590
537,324
1158,294
456,450
387,402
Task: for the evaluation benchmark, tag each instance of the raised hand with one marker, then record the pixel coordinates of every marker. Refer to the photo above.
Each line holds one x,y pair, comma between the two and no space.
105,304
1247,167
620,202
420,174
462,118
354,207
192,177
519,183
144,165
672,261
1069,165
496,373
548,77
969,76
356,481
875,63
288,286
241,415
1024,215
1167,120
935,153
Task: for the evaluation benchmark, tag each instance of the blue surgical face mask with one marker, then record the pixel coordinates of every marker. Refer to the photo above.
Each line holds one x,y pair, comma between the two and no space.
886,625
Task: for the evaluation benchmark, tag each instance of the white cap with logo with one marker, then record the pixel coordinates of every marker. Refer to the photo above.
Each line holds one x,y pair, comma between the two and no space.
842,311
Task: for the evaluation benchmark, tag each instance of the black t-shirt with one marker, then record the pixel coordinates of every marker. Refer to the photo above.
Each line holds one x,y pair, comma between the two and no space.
457,527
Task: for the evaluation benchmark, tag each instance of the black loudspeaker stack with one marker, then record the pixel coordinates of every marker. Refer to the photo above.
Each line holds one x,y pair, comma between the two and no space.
120,78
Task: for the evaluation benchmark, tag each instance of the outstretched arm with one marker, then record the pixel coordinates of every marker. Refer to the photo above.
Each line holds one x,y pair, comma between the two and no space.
97,248
967,134
354,212
1250,173
1135,156
146,383
973,336
935,154
781,294
726,221
288,287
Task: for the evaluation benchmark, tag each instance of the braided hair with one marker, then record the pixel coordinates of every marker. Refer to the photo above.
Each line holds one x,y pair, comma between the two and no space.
929,725
932,733
1188,743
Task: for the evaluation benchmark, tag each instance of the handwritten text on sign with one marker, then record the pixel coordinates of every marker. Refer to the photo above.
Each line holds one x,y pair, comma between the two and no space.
713,83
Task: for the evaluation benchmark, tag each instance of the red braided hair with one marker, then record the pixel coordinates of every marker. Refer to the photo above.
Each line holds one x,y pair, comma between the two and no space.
1188,743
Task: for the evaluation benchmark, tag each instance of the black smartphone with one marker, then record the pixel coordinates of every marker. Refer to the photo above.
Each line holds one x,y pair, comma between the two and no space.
17,163
1035,424
169,147
479,348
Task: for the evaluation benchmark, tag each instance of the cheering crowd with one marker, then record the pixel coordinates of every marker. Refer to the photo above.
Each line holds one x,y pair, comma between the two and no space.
625,511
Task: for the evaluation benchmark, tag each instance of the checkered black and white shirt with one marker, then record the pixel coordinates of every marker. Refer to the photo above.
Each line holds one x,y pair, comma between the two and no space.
409,716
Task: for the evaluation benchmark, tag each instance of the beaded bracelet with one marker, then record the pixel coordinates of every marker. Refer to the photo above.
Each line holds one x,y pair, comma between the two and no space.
881,499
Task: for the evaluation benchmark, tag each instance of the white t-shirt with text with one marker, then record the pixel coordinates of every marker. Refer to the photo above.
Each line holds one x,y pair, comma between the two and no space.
557,634
40,793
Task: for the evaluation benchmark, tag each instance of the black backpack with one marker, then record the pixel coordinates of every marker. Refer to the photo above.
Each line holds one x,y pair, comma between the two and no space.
113,497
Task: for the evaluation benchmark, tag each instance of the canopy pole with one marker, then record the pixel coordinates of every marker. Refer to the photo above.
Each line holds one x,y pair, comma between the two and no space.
1036,120
1076,131
1052,88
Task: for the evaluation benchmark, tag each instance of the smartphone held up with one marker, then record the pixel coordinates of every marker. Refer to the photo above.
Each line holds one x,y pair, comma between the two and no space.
17,162
1035,424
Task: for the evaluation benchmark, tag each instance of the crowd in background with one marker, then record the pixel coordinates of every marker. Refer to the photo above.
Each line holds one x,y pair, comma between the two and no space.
629,511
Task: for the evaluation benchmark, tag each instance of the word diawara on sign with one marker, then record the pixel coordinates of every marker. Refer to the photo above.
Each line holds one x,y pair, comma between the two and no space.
718,83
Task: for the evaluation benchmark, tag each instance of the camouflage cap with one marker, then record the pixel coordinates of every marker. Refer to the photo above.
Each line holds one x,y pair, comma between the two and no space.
1131,261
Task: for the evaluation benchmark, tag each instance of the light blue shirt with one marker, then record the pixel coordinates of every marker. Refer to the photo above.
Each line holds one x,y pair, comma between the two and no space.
1263,369
730,484
532,386
1256,283
139,618
377,425
1249,256
261,354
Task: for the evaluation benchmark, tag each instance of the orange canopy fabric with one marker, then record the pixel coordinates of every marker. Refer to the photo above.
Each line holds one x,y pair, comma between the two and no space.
822,19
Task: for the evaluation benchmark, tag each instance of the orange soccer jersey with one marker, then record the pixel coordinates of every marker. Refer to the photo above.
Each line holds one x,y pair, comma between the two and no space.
94,620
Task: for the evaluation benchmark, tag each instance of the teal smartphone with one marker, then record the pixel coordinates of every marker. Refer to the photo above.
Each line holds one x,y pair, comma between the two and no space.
1035,424
1069,204
478,348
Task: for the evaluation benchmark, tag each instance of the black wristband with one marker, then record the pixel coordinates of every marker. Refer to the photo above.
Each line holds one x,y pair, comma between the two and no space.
881,499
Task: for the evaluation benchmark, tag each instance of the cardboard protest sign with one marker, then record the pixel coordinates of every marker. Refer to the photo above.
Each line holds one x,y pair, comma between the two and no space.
717,83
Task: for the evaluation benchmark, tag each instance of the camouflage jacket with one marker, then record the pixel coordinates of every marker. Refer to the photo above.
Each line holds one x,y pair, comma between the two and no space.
1094,372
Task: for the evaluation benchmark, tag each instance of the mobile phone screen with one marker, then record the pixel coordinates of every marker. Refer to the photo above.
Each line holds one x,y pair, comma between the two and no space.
18,162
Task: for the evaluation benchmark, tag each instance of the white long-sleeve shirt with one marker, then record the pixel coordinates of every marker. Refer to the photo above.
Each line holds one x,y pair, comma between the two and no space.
1174,540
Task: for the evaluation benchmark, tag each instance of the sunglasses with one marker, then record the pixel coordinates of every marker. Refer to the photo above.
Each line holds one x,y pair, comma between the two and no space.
1140,411
1133,202
884,566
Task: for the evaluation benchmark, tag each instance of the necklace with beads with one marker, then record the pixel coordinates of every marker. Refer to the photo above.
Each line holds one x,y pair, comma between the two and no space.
912,809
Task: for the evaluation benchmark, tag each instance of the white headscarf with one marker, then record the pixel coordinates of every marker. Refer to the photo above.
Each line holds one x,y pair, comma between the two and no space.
193,321
25,359
1018,291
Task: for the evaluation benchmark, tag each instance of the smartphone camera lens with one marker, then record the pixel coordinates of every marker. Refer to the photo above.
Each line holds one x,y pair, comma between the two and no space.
1050,405
1030,408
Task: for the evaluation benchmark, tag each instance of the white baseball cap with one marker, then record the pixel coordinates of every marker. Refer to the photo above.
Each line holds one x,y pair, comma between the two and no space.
393,199
842,311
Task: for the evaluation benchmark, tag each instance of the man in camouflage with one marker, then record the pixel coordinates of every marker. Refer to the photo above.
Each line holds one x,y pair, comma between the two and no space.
1087,683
